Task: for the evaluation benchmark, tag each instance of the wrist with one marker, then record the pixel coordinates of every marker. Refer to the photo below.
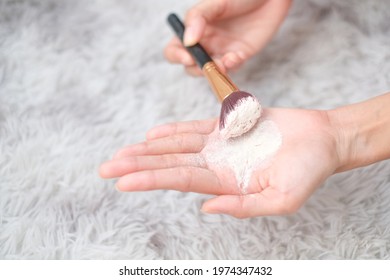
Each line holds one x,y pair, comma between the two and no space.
346,135
362,132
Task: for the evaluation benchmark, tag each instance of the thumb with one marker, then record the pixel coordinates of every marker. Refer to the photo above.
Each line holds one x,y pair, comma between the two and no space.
197,18
239,206
266,203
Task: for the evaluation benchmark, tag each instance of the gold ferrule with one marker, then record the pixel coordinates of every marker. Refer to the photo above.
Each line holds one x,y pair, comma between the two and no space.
221,85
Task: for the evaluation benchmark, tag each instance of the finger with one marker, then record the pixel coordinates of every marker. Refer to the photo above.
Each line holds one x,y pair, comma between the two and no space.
185,179
200,127
196,71
176,53
197,18
179,143
268,202
209,10
233,60
122,166
193,70
220,64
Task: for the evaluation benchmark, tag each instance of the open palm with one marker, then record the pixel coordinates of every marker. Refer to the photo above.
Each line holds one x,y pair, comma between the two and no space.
172,158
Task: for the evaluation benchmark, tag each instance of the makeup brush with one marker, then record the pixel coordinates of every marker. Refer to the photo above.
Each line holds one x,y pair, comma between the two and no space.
240,110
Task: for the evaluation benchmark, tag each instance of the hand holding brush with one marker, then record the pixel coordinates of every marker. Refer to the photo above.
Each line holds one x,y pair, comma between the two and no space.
240,110
232,31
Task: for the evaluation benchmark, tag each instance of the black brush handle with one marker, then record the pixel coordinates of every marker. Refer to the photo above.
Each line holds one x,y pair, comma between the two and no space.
197,51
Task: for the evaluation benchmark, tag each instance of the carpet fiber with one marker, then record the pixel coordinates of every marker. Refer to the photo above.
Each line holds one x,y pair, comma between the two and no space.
80,79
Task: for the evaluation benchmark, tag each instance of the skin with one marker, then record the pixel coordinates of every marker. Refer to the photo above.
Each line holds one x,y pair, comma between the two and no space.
219,24
316,144
165,161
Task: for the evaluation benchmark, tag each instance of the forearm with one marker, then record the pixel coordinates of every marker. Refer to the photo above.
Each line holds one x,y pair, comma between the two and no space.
362,132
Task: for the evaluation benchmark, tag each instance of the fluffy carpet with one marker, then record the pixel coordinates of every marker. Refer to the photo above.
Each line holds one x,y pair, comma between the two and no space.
80,79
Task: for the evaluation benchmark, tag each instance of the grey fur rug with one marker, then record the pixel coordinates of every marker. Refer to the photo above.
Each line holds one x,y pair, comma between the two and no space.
80,79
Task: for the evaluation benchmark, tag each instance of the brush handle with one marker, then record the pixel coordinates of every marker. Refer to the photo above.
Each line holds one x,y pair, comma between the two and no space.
197,51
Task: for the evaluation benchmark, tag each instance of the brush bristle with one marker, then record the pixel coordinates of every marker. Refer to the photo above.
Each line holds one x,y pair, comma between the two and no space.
229,104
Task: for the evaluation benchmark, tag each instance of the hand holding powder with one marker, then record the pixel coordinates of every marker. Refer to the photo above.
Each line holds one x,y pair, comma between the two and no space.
243,154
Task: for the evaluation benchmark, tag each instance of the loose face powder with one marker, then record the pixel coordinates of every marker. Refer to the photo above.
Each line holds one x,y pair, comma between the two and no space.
242,155
240,120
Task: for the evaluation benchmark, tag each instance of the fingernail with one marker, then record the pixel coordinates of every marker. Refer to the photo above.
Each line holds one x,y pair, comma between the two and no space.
231,60
229,63
241,55
189,37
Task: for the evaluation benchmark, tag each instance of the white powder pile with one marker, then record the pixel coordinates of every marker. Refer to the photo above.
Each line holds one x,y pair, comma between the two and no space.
244,116
243,154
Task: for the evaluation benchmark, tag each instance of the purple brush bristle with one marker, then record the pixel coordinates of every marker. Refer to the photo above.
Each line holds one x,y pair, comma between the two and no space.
229,104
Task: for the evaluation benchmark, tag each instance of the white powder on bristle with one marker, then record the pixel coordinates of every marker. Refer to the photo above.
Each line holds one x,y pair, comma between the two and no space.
242,118
243,154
